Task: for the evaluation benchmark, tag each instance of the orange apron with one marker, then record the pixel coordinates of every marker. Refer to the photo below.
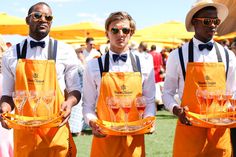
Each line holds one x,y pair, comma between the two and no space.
191,141
118,84
40,75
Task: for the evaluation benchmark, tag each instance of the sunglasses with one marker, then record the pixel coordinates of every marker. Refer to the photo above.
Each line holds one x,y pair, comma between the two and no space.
124,30
38,16
209,21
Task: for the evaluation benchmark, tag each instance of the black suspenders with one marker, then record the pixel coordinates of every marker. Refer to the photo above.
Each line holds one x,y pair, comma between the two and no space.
136,65
52,50
191,59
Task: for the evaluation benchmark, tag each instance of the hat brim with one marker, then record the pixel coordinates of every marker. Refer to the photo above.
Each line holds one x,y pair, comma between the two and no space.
222,13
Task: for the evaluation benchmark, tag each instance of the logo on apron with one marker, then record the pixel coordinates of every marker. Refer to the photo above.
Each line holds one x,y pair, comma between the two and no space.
207,82
36,79
123,91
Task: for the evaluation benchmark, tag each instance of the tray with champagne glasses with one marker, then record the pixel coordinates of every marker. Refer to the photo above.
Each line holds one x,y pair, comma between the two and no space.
24,122
123,104
130,128
217,109
39,112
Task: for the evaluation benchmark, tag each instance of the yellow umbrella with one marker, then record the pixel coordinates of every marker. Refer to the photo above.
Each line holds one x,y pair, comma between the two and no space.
12,25
171,29
229,24
81,41
227,36
83,29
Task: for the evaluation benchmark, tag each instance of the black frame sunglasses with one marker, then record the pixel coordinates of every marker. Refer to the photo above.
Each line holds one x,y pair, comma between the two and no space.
38,16
124,30
209,21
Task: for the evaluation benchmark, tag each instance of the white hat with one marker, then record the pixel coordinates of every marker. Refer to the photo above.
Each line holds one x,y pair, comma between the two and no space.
222,12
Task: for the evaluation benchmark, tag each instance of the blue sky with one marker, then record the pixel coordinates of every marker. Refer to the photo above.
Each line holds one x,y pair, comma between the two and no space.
145,12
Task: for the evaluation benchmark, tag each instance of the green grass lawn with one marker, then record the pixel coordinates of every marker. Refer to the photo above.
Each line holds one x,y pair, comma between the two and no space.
157,144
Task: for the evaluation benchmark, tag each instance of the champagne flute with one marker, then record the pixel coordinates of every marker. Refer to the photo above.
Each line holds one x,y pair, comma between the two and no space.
233,103
227,96
141,105
208,99
201,101
34,99
221,100
48,98
19,98
126,106
112,103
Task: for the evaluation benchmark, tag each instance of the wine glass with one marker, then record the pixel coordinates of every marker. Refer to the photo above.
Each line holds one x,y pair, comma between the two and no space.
208,100
19,98
221,100
126,104
232,101
201,101
48,98
227,96
34,99
112,103
141,105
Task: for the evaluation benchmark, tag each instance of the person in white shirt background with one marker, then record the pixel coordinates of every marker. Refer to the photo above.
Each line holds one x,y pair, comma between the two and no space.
119,28
90,52
203,19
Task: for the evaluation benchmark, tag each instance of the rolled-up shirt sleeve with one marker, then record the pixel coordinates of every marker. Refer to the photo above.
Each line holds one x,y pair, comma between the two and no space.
89,95
149,89
72,79
171,83
8,61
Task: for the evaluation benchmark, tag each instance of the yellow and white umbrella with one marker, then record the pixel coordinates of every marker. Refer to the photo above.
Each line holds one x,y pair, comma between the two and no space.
171,29
12,25
83,29
226,36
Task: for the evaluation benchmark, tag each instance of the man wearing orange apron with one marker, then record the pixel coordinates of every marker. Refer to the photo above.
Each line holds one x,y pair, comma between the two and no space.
42,64
199,63
118,73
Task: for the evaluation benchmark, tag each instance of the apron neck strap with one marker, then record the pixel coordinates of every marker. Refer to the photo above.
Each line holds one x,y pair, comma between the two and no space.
52,50
24,50
190,50
135,64
191,57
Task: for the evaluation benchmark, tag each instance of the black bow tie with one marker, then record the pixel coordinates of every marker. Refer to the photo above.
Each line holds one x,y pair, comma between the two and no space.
207,46
39,43
117,57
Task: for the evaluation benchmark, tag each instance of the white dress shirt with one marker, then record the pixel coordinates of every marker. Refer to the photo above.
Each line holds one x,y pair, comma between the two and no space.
90,55
92,80
174,81
66,65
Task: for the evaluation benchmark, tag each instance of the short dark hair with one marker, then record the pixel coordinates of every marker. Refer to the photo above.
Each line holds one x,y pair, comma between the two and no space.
89,39
143,46
153,47
39,3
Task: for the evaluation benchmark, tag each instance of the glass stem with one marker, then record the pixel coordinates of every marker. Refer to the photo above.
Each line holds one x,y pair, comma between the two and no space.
126,121
114,119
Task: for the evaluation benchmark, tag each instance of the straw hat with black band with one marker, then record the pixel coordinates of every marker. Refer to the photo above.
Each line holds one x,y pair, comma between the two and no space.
222,12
